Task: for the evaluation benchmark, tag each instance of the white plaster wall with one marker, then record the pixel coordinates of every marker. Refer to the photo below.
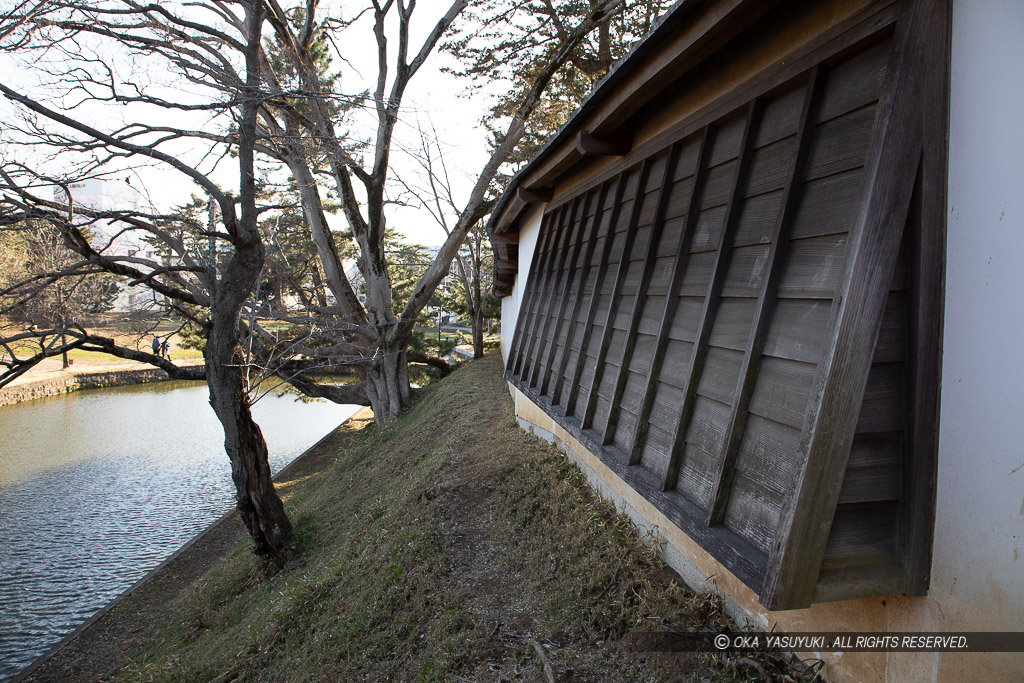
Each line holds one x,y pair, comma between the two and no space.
977,571
528,232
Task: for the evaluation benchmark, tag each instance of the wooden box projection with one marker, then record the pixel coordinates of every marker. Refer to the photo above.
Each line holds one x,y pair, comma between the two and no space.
735,298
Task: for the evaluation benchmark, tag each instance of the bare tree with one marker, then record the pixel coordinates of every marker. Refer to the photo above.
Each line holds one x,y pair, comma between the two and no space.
431,189
301,132
251,83
211,295
35,258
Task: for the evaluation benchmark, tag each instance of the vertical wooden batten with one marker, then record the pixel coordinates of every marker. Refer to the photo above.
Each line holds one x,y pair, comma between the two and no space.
664,193
577,247
616,295
569,229
595,226
928,263
765,303
515,356
570,406
718,268
671,300
559,233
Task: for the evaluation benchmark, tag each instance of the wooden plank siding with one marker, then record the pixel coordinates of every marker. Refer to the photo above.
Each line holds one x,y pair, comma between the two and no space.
690,313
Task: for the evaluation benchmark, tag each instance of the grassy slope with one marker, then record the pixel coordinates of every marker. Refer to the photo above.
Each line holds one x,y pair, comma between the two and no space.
441,548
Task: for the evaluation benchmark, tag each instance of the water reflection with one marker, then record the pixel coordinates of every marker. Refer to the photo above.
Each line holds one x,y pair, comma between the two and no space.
98,487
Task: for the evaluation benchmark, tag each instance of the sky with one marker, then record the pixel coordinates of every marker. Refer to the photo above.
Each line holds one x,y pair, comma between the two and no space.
434,100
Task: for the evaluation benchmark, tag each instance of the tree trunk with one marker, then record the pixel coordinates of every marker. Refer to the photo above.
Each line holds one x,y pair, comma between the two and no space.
387,384
258,503
261,509
477,322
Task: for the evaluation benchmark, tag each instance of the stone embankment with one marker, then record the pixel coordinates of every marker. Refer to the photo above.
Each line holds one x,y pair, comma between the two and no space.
65,382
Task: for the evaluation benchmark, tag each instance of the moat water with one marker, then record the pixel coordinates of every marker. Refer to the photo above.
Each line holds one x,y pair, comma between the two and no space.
98,487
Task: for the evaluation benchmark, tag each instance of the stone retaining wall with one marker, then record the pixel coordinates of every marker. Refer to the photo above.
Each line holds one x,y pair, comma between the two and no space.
67,383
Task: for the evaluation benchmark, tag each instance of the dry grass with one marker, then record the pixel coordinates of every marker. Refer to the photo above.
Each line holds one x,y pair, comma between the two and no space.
448,546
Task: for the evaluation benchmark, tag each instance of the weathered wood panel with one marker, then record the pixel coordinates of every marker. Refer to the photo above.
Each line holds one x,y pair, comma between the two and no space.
694,478
680,313
813,268
781,116
882,408
719,372
706,430
717,194
797,329
873,473
828,205
753,512
678,354
698,274
727,143
770,167
782,390
840,144
765,453
862,534
756,222
732,325
684,324
656,448
745,276
855,82
668,399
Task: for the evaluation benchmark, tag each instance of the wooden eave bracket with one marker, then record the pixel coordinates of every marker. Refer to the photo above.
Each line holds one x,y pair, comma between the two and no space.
506,267
501,288
614,144
538,194
506,257
505,238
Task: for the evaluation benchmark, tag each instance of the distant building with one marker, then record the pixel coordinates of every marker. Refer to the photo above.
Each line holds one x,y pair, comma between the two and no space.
109,235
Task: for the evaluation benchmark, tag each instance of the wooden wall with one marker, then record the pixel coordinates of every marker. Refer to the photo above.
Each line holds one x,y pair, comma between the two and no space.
678,308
